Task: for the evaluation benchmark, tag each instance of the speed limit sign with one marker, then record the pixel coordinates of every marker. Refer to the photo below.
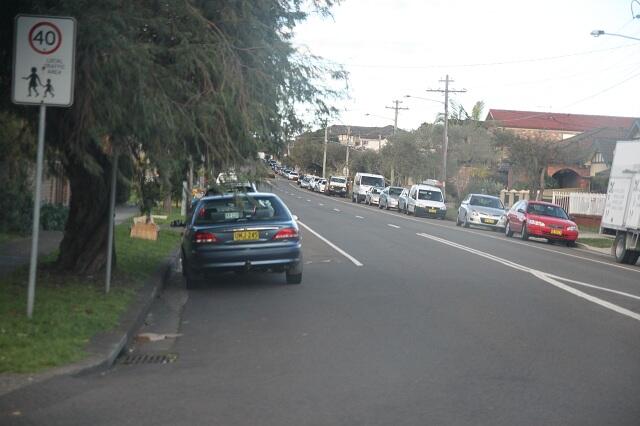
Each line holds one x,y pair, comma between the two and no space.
43,60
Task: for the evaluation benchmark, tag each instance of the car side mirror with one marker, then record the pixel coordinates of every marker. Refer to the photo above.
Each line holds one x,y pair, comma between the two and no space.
295,217
521,211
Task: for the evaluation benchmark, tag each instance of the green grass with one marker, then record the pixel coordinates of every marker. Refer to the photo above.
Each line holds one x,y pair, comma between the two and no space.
597,242
5,237
69,310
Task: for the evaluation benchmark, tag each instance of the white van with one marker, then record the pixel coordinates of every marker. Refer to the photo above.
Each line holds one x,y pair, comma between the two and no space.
426,200
362,183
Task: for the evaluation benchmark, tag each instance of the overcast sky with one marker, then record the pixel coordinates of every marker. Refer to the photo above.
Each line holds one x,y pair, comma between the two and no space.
512,54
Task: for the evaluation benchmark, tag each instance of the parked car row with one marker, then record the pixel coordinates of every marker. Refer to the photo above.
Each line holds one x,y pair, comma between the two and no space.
527,218
335,185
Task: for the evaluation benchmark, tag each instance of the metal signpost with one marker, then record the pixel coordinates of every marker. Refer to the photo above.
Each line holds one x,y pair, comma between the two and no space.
43,75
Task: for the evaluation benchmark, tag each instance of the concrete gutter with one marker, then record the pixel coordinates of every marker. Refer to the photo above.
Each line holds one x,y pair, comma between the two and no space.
103,350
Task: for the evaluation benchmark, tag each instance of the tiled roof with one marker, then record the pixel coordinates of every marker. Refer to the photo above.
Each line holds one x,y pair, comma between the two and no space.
556,121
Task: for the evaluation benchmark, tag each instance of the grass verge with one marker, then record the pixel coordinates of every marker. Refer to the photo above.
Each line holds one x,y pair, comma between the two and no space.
69,309
597,242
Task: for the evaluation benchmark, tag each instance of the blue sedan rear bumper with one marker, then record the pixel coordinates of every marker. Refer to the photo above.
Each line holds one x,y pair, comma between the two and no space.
285,255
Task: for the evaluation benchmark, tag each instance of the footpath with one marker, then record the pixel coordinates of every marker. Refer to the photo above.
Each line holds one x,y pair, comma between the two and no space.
16,253
104,348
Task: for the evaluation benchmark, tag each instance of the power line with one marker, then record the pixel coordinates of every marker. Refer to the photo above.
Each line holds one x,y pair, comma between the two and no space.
488,64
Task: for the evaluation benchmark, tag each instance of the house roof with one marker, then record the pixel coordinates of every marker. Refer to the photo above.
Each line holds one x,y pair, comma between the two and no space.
363,132
556,121
602,140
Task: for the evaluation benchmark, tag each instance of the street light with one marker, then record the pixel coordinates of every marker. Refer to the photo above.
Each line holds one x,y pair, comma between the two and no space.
598,33
423,99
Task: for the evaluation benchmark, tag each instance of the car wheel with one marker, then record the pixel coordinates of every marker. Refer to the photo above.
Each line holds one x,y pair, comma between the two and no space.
550,241
621,253
386,206
293,278
571,243
507,230
458,221
466,221
524,234
190,282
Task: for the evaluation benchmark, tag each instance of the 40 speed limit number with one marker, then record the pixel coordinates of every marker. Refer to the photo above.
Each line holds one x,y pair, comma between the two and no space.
45,38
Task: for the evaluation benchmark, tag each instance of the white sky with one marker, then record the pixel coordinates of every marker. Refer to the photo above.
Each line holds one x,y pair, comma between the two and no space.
392,48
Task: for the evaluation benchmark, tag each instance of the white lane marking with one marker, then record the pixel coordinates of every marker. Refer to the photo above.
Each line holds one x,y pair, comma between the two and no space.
299,197
430,222
336,210
393,226
621,293
321,205
308,201
359,217
550,279
333,246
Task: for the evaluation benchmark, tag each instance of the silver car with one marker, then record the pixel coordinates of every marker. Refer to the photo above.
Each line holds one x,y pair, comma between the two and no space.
481,210
389,197
373,196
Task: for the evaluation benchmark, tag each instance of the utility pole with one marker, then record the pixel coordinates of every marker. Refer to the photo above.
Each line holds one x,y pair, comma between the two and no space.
445,137
348,143
397,107
324,155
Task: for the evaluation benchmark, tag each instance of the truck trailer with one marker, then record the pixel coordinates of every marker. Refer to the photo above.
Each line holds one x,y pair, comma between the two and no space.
622,207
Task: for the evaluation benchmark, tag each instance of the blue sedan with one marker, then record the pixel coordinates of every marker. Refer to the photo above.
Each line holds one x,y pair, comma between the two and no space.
241,232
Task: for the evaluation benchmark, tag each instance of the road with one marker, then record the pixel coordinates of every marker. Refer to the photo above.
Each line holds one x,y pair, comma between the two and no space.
399,321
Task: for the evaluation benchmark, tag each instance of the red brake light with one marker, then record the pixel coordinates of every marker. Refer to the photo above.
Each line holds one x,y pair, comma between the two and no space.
286,233
201,237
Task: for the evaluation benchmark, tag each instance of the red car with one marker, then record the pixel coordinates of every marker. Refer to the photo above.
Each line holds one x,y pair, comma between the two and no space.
543,220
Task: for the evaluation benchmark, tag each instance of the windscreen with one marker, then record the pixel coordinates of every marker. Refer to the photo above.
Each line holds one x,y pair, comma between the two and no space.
395,191
547,210
490,202
240,209
429,195
372,181
338,180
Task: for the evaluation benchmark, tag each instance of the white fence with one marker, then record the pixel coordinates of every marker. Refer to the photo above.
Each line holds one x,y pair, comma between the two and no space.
586,203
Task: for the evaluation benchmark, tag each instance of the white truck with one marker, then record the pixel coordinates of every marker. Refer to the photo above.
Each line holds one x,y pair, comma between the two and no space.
622,208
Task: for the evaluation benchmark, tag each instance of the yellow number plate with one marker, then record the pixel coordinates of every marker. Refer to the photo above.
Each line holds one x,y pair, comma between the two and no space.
489,221
246,236
556,232
432,210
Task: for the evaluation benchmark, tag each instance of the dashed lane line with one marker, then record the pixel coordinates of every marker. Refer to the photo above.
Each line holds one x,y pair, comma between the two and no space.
333,246
393,226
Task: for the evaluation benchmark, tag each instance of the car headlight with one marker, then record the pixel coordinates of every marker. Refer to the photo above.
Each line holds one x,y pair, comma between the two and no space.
474,213
572,228
535,222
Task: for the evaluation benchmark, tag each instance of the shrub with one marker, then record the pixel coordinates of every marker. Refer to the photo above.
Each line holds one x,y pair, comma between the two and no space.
53,217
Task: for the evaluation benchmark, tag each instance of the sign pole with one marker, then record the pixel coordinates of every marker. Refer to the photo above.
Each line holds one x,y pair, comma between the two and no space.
112,207
36,214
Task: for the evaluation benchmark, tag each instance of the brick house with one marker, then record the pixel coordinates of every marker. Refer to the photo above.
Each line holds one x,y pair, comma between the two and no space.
593,137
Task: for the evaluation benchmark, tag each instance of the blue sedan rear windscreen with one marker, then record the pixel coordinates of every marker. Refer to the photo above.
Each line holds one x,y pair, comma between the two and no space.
241,208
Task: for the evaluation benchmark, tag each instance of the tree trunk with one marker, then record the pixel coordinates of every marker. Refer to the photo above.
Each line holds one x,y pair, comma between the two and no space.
541,191
84,247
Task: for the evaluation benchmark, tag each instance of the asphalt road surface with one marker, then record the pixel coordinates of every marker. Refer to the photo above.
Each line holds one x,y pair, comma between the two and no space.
398,321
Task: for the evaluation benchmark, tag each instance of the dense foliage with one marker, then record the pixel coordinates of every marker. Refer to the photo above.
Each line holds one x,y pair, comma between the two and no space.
177,83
